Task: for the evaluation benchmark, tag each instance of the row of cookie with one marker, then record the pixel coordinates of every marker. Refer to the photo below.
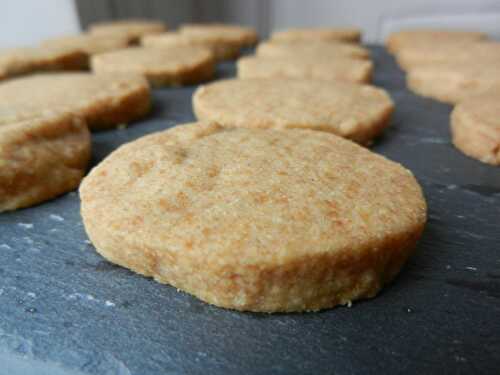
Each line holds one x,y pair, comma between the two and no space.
462,68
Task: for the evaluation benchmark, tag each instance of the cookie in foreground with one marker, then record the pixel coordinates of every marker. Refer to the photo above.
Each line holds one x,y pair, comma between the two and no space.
41,158
357,112
475,127
255,219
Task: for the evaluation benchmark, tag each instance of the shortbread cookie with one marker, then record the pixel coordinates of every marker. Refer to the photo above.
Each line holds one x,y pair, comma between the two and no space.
255,219
245,36
452,82
19,61
475,127
133,29
328,34
312,67
102,100
428,37
300,49
41,158
90,44
161,66
357,112
474,53
222,47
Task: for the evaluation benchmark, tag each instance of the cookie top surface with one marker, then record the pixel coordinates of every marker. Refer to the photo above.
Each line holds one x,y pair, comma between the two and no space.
152,60
347,109
315,67
132,28
313,48
425,37
88,43
347,34
80,93
242,34
176,39
483,109
459,71
249,196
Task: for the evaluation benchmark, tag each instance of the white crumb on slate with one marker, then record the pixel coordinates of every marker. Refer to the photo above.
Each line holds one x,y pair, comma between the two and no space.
31,294
452,187
470,268
5,246
28,240
87,242
56,217
53,230
26,225
109,304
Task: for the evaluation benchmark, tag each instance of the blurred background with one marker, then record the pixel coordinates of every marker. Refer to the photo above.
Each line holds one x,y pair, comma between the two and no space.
26,22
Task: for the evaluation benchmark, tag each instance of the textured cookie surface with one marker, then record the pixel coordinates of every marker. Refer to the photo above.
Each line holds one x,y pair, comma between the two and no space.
41,158
474,53
357,112
453,82
161,66
18,61
313,67
311,34
90,44
255,219
246,36
475,127
102,100
301,49
132,29
425,37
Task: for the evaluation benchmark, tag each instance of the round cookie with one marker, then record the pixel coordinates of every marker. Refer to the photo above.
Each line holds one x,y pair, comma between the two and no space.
161,66
41,158
357,112
90,44
245,36
475,127
325,50
329,34
132,29
454,81
481,52
103,101
311,67
19,61
223,47
429,37
255,219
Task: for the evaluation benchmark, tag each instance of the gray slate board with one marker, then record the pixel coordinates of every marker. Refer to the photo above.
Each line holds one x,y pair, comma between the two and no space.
65,310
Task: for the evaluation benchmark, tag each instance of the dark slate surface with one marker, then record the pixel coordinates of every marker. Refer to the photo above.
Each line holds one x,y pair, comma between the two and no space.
65,310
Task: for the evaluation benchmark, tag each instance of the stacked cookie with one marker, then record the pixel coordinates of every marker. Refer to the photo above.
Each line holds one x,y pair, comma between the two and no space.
460,68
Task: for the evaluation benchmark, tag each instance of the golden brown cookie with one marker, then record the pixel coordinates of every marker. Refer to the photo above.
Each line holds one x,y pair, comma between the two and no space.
453,82
103,100
475,127
19,61
417,38
255,219
133,29
474,53
41,158
357,112
328,34
323,49
90,44
312,67
245,36
161,66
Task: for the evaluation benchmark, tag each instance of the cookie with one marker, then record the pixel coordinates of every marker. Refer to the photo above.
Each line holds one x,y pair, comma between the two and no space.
480,52
328,34
312,67
245,36
357,112
132,29
102,100
19,61
90,44
161,66
453,82
255,219
475,127
324,49
222,47
429,37
41,158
